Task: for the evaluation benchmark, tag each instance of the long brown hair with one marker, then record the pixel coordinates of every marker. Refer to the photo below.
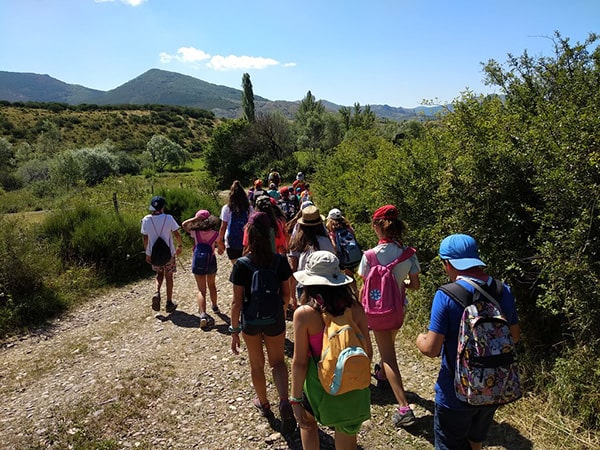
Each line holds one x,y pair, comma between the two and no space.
238,200
259,245
306,237
331,299
393,229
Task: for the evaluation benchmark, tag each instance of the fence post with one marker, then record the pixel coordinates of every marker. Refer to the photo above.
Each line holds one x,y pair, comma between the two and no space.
115,202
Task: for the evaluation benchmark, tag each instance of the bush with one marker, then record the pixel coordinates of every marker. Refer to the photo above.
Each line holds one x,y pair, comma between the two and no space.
99,238
26,272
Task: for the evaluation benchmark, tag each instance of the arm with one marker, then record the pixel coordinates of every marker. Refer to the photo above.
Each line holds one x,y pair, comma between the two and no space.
430,343
236,308
145,239
292,289
177,235
413,282
515,332
285,294
300,362
221,238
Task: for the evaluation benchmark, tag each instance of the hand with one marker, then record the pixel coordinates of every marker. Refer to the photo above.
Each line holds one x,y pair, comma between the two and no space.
303,418
148,259
235,343
178,250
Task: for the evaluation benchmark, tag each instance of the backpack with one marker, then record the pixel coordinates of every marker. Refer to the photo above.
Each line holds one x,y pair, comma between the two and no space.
160,254
235,229
288,207
348,250
344,365
203,254
265,304
382,299
486,369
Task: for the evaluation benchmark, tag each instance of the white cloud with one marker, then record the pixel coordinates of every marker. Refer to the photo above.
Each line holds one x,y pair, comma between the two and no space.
191,55
233,62
290,64
127,2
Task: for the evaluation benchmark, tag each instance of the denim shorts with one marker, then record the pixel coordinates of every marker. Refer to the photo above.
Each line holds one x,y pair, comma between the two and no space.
454,428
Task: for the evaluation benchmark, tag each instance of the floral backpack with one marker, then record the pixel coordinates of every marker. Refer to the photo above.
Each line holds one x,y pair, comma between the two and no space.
486,368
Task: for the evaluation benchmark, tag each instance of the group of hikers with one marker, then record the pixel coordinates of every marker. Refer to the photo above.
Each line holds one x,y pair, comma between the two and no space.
297,260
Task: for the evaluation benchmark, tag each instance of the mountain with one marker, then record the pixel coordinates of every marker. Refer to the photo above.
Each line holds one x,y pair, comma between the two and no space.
32,87
161,87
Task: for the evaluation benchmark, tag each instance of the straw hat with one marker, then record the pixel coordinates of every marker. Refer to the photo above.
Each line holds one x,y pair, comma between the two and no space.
310,217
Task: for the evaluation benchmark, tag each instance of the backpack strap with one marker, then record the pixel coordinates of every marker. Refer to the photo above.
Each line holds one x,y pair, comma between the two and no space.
464,297
373,261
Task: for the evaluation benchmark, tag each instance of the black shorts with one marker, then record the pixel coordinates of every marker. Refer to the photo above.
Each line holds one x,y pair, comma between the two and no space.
274,329
234,253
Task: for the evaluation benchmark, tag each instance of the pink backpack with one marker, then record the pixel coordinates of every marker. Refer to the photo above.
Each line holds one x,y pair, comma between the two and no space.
382,299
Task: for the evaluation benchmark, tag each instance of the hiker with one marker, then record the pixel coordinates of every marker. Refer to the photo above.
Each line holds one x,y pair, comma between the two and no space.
309,236
298,182
293,197
256,191
457,424
278,233
326,290
389,230
339,227
234,216
260,293
273,191
160,228
274,178
204,230
286,204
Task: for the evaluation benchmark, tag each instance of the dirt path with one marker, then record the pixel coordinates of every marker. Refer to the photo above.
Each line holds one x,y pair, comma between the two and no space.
113,375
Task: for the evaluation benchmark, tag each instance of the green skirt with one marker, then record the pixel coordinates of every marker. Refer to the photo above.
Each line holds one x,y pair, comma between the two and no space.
345,412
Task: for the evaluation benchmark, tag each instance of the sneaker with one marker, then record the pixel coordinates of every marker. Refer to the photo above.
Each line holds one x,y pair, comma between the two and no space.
403,419
170,307
265,410
203,320
210,320
156,302
288,421
215,309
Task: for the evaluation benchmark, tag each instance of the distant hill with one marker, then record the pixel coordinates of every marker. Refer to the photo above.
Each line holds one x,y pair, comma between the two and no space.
165,88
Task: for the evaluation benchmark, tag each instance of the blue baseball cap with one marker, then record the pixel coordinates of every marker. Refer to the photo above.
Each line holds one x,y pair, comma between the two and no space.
461,251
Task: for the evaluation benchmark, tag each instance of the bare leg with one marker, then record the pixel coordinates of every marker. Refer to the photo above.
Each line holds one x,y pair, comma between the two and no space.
345,441
276,355
256,358
387,349
212,289
201,284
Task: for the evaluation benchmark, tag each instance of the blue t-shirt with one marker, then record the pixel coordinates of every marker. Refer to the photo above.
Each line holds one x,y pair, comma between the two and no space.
445,319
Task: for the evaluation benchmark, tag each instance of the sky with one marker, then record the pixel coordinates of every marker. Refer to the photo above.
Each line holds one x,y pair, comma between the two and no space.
394,52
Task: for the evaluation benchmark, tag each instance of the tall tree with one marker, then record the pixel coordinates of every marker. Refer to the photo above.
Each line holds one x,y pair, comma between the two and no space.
248,99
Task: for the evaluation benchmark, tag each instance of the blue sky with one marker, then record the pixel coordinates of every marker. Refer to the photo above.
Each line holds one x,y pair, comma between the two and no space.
395,52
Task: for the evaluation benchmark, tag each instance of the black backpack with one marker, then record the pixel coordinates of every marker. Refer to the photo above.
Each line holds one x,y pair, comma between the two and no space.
265,304
161,252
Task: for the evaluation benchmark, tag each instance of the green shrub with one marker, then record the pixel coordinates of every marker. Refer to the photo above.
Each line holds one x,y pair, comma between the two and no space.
26,272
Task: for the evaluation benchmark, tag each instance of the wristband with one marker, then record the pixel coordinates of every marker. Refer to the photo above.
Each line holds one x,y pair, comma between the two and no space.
234,330
295,400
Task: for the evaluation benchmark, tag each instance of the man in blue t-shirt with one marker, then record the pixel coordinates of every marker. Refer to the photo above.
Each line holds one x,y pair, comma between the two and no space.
458,425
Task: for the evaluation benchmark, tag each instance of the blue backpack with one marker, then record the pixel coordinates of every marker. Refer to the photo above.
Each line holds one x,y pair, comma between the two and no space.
203,254
235,229
265,304
348,250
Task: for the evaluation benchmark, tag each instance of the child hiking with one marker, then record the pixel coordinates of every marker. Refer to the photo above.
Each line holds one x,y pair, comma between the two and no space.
384,303
203,228
158,230
234,216
260,292
327,297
